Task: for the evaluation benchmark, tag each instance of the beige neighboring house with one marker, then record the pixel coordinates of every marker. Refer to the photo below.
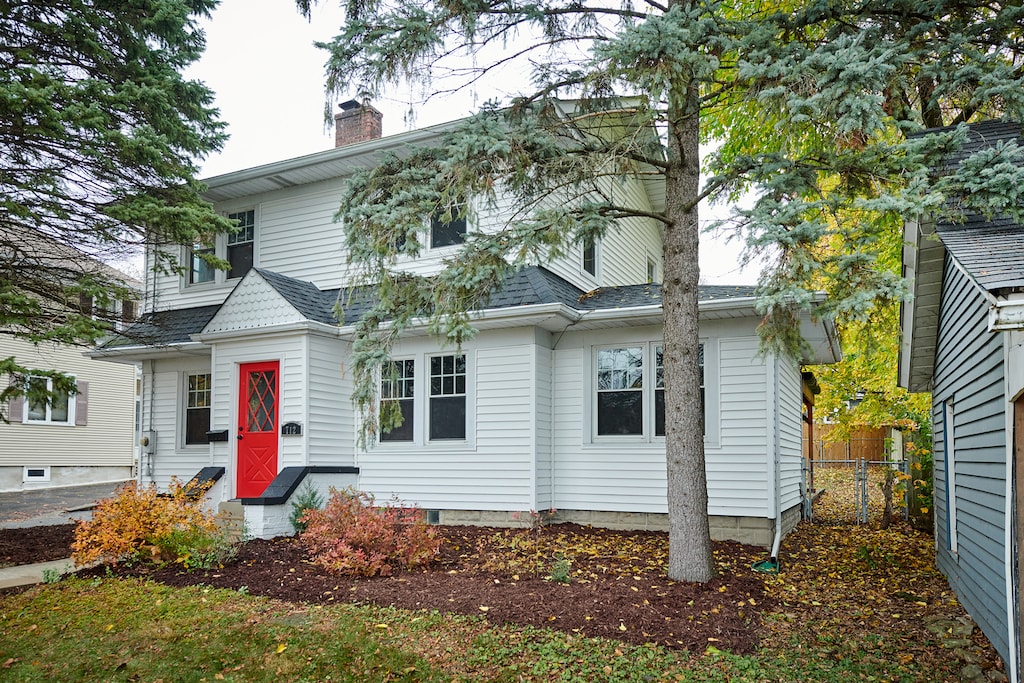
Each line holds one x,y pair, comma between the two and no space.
86,438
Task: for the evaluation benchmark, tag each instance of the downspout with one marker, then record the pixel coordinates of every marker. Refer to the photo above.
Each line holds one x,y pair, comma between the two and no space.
777,457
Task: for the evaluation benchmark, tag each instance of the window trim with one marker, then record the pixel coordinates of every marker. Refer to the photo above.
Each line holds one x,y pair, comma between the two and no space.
72,406
381,399
421,405
949,465
594,245
430,396
186,396
221,248
712,426
459,213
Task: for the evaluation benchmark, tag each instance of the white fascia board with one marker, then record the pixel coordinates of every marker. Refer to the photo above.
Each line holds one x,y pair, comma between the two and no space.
535,314
304,326
354,150
131,354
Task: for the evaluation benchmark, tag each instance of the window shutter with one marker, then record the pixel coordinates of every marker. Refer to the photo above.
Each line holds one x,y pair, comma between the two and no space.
82,404
16,407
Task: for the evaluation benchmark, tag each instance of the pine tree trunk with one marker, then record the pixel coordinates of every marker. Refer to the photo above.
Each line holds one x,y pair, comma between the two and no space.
690,557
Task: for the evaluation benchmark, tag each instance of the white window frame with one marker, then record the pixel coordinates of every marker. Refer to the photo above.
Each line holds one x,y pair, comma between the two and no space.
949,450
421,405
596,275
649,347
417,419
48,419
220,250
467,217
185,396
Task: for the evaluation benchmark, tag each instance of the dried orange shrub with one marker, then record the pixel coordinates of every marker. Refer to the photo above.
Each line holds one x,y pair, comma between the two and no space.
138,522
352,535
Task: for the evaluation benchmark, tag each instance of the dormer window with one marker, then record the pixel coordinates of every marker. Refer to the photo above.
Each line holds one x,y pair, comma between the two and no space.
448,233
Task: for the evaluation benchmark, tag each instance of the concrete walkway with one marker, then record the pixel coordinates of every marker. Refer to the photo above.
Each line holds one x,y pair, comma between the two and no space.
41,507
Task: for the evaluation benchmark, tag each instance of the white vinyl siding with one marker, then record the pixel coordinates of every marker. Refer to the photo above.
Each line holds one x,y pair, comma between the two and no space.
165,389
493,469
330,412
629,476
790,431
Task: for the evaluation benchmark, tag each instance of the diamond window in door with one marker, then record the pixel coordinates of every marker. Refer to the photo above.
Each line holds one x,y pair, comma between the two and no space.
262,401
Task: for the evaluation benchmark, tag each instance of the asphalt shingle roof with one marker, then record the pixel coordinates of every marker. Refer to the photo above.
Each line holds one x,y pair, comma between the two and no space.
529,286
165,328
991,250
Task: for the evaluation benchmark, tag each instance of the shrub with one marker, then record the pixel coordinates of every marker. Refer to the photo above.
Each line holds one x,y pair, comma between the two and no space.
352,535
139,524
308,499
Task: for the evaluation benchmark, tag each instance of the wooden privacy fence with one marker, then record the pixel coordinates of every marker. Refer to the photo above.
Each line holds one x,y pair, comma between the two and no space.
865,443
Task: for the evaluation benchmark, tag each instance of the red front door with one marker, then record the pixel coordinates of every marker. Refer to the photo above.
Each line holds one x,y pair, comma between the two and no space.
257,427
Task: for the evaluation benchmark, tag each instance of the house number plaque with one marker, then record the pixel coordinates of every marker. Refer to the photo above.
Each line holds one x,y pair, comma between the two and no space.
291,429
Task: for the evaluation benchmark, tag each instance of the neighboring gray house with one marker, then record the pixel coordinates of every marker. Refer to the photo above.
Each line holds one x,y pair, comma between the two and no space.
963,340
554,404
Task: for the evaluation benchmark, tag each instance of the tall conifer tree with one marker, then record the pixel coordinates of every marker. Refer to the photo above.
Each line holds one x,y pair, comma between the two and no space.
812,102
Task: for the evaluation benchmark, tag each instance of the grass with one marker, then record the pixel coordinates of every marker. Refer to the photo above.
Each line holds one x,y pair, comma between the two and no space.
851,605
132,630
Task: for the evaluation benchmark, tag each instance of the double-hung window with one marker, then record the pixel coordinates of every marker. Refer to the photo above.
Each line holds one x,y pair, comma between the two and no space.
237,248
630,390
445,233
620,395
397,393
240,243
447,412
590,257
197,409
47,405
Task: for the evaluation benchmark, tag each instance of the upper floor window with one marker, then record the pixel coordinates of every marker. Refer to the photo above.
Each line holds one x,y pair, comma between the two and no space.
590,256
397,392
447,233
45,404
200,270
119,313
240,243
197,408
237,248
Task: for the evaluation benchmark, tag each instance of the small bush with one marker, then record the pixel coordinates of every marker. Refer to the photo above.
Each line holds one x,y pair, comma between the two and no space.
140,524
308,499
352,535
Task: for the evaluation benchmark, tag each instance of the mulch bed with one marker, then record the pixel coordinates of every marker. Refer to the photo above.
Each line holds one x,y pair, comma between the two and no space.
613,597
35,544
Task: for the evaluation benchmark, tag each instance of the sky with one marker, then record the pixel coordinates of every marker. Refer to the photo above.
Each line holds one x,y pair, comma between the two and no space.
268,77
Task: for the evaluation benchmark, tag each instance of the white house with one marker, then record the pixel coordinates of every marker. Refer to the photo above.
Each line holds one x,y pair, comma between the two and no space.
555,404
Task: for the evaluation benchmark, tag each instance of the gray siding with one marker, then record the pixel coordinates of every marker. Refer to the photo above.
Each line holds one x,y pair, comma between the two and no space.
969,371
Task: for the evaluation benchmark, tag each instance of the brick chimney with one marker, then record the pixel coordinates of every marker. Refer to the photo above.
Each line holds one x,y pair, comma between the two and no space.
356,123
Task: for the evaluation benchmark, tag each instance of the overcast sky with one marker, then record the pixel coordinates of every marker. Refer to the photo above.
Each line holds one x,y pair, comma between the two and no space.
269,81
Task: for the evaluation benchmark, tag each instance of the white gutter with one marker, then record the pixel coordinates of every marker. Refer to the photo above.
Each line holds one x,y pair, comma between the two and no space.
283,328
1005,314
131,354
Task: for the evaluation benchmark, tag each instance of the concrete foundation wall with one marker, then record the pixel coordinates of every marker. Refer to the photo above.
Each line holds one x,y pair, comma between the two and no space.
757,531
12,478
